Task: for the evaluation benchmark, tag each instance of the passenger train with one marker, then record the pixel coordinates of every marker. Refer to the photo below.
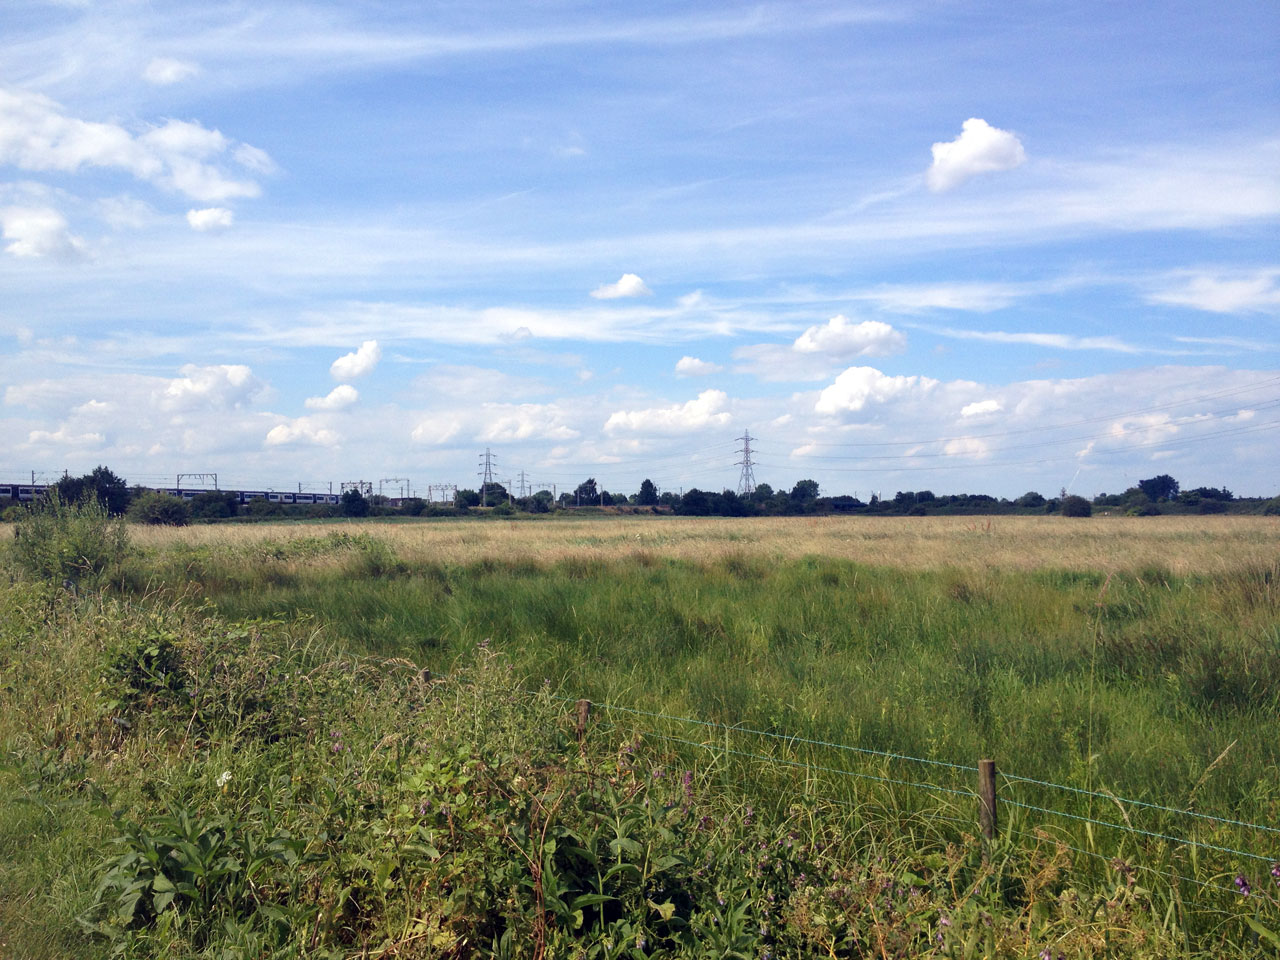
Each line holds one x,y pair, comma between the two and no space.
27,492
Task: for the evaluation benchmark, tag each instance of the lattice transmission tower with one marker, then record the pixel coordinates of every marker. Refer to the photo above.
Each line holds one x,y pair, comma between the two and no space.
746,479
487,462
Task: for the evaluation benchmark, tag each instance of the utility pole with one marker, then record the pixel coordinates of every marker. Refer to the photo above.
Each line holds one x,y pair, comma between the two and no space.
747,479
523,481
487,473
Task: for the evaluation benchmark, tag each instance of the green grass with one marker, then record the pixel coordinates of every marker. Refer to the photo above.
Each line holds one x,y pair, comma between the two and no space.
1135,683
366,813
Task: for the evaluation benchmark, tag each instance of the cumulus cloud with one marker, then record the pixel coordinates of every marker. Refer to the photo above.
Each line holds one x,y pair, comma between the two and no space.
980,148
357,364
436,431
339,398
705,410
841,339
219,386
693,367
165,71
820,350
979,407
628,286
38,232
178,155
304,431
506,423
210,218
858,386
1233,292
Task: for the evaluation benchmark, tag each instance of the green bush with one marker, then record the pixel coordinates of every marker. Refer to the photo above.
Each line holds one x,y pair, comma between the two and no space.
1074,506
56,540
162,509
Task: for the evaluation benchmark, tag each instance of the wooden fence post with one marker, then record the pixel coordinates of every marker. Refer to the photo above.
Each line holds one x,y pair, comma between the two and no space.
987,800
584,714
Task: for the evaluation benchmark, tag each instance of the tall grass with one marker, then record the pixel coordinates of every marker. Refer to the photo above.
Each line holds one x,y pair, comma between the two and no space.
1154,681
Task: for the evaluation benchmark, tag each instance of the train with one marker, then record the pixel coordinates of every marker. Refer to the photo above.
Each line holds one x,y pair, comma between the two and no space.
27,492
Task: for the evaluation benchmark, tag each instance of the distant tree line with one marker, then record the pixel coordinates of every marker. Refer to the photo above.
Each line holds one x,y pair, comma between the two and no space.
1156,495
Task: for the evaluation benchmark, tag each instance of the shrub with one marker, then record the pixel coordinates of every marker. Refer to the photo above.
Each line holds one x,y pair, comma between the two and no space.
1074,506
56,540
156,507
214,505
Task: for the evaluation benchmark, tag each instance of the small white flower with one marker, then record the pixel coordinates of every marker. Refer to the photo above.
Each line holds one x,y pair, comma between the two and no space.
223,779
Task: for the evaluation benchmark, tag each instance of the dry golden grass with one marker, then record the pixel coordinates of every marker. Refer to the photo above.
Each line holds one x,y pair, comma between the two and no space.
1180,544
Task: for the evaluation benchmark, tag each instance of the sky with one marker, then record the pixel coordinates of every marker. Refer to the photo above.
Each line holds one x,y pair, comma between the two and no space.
962,247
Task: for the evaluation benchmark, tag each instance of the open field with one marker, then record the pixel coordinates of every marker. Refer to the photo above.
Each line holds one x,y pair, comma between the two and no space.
1182,545
1133,666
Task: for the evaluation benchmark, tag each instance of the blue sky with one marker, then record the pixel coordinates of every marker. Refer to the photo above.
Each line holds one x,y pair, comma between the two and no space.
947,246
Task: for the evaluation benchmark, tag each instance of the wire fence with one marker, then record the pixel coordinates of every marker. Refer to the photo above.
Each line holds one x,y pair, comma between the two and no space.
1009,781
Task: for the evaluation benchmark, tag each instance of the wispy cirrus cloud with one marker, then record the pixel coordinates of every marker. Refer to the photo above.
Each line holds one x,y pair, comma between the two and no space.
1222,291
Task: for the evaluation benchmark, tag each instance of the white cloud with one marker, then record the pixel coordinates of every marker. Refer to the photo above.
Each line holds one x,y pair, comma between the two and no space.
1058,341
304,431
38,232
210,218
840,339
164,71
507,423
693,367
436,431
219,386
979,407
971,447
820,350
1229,292
357,364
706,410
63,437
858,386
339,398
980,148
974,297
35,134
628,286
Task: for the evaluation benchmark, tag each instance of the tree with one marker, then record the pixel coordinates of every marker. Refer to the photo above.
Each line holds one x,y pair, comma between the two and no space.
108,489
1073,506
160,509
1030,499
648,496
586,492
805,490
1163,487
762,493
466,498
354,504
493,493
695,503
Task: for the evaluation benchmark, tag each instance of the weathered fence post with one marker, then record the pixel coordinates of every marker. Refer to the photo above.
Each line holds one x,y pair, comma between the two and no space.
584,714
987,801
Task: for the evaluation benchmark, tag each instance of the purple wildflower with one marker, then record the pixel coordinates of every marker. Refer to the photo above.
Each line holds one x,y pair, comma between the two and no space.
1243,885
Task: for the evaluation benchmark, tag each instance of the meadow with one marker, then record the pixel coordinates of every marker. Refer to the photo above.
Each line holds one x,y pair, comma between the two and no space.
838,678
